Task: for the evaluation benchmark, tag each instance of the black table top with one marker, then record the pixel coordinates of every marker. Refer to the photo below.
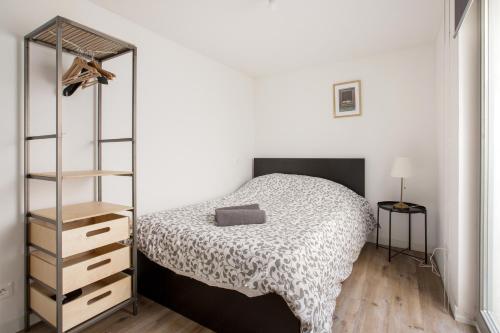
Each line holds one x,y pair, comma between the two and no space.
389,205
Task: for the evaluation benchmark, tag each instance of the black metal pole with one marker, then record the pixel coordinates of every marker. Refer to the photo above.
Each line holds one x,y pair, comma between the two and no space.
409,231
26,183
390,230
425,236
378,222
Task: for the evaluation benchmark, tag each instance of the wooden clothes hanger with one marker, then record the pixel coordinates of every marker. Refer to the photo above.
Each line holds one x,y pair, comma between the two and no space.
72,70
79,71
85,74
108,75
102,78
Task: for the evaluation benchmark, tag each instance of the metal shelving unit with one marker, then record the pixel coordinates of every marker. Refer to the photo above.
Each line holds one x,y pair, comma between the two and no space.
67,36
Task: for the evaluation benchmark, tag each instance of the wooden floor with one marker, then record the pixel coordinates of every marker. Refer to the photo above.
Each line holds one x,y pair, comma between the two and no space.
378,297
392,297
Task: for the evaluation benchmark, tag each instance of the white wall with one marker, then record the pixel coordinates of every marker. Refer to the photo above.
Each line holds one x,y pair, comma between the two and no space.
294,119
195,125
458,95
470,162
447,128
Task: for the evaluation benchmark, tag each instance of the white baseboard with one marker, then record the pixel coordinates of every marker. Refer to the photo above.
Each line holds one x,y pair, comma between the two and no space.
457,315
480,329
17,325
12,326
464,319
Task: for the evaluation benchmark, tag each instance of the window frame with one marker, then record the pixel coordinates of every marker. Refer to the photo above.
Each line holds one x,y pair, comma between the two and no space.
485,318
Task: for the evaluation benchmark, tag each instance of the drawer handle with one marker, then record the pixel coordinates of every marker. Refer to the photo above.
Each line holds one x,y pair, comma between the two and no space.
98,264
98,231
98,298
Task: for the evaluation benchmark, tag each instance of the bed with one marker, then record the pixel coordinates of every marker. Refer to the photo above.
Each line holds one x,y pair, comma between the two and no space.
281,276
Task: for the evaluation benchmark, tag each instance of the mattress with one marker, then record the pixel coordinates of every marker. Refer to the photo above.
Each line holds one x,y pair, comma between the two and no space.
314,232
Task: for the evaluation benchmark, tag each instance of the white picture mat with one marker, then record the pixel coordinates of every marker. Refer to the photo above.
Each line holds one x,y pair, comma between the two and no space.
357,93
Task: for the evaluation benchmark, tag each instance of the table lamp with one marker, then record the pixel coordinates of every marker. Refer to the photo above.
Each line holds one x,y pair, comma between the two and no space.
401,168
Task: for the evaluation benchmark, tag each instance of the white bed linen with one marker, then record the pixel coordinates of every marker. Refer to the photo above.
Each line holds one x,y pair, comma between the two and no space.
314,232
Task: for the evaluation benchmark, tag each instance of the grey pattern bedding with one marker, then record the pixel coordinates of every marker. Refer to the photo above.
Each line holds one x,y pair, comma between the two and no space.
314,232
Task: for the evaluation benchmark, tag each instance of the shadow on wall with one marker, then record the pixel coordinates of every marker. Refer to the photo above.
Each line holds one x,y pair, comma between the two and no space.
12,232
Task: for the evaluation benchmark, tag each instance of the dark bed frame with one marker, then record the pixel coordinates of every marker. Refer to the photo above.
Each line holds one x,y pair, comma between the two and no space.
229,311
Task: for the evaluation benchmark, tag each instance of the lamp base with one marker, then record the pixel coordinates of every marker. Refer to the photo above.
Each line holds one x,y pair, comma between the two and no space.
401,205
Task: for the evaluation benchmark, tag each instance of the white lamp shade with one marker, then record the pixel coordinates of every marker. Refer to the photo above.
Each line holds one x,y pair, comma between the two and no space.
401,168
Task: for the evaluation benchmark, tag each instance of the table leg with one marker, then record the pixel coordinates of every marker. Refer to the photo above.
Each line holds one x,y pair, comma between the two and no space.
425,237
378,222
390,227
409,231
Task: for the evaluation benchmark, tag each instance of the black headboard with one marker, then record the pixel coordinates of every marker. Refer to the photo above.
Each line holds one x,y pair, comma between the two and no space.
349,172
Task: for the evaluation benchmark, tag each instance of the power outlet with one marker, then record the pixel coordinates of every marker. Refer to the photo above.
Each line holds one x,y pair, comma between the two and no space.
6,290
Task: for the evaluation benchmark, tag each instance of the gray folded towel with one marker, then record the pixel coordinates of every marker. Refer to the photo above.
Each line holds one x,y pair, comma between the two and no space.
229,217
251,206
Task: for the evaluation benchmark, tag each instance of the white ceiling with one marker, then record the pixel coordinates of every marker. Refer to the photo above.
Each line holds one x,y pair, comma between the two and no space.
249,36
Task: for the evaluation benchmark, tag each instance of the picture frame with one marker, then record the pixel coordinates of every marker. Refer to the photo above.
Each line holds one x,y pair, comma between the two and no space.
347,99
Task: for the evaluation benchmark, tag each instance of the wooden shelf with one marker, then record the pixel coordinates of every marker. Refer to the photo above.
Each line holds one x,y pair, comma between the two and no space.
75,34
81,174
85,210
81,247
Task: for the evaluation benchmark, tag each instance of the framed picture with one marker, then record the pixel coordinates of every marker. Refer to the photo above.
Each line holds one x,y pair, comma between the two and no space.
347,99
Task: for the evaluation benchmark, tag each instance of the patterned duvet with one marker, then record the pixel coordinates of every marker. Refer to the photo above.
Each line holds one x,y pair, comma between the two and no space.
314,232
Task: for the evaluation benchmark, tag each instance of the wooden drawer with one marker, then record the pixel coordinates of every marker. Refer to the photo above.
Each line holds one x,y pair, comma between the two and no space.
82,235
81,269
96,298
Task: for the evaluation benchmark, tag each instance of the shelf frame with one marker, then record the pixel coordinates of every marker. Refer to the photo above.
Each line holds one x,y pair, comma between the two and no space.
51,176
62,34
86,210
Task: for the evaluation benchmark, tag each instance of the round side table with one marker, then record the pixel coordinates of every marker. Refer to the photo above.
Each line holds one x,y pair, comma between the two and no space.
412,209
